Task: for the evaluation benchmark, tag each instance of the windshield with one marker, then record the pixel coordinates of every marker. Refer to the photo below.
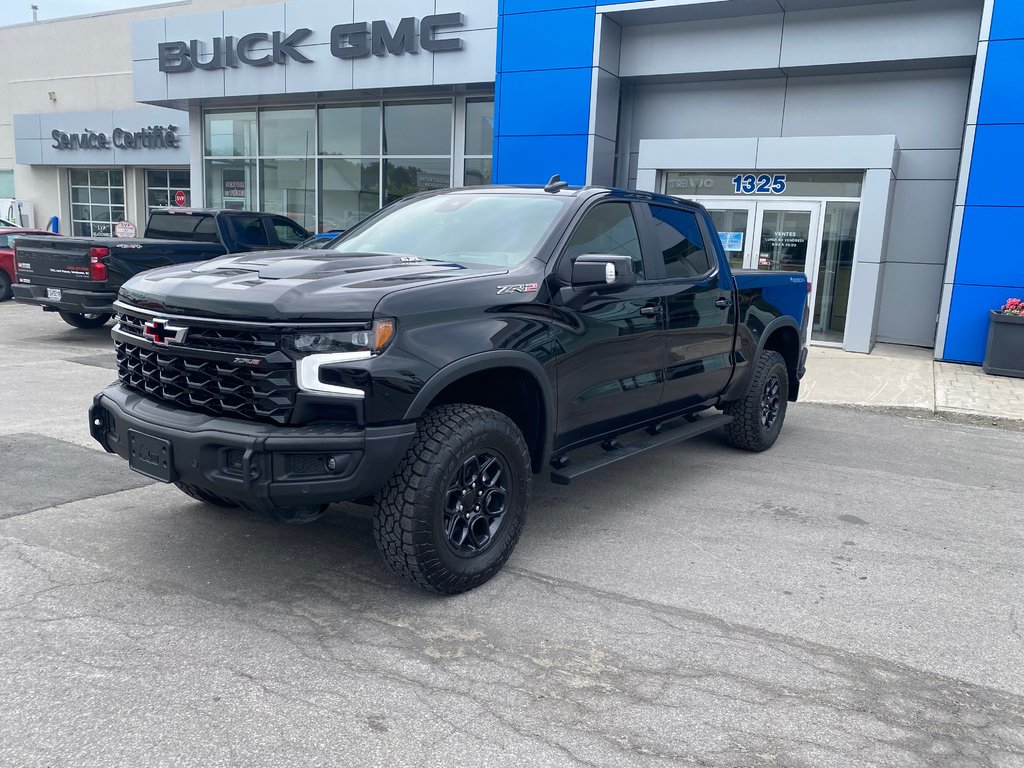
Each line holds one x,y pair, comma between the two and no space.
466,229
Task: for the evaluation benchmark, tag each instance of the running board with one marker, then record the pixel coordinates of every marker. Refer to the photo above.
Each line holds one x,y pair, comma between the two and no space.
616,452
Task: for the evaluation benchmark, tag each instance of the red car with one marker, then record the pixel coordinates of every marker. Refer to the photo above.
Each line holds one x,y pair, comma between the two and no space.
7,237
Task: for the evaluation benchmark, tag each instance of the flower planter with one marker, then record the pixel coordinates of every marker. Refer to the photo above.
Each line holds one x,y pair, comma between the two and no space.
1004,353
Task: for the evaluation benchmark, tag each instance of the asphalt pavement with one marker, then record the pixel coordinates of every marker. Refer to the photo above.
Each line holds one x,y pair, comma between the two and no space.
852,597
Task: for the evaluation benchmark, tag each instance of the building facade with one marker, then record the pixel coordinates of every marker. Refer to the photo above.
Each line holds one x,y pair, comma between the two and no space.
860,141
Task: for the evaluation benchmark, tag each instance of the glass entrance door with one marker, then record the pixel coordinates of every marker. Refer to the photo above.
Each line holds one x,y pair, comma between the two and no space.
813,236
786,233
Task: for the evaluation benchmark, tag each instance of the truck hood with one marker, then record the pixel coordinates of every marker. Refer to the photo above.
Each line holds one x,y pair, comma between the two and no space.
290,285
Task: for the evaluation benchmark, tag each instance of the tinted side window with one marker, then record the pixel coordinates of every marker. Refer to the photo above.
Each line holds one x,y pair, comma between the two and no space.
678,238
608,228
288,232
248,230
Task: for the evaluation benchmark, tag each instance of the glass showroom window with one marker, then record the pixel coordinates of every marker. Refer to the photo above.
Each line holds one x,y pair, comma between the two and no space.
288,164
417,147
229,143
350,168
479,141
97,201
162,186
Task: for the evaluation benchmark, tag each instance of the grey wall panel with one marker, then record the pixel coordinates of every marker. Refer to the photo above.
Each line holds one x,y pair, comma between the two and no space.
473,64
910,302
924,109
257,18
929,164
731,109
146,35
149,84
392,9
714,45
921,29
919,232
318,15
610,45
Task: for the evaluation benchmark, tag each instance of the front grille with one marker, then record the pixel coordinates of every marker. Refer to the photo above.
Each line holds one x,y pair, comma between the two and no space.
239,341
211,386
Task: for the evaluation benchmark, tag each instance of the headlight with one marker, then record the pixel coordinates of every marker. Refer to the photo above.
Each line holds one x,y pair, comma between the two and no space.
372,340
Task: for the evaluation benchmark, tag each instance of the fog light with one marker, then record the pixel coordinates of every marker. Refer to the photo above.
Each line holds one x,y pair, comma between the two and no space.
331,464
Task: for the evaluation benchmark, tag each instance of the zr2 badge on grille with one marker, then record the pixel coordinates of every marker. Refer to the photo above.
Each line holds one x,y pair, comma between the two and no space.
254,361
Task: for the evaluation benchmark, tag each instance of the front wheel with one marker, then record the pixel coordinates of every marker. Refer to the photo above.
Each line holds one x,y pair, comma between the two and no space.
757,418
89,320
450,516
5,287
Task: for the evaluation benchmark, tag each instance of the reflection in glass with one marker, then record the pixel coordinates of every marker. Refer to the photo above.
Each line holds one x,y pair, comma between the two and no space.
731,224
407,176
231,134
350,192
418,128
479,127
287,132
477,172
784,236
288,189
835,271
231,184
351,130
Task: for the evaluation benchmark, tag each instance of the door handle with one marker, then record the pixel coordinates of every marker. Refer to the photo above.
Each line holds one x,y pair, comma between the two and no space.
723,303
651,310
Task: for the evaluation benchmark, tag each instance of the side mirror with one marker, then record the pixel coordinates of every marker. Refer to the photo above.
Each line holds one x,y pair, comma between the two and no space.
603,272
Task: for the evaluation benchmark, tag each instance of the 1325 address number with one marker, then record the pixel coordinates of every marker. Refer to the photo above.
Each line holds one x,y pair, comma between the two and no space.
749,184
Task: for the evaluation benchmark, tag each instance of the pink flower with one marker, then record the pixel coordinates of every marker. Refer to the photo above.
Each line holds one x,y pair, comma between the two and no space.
1013,307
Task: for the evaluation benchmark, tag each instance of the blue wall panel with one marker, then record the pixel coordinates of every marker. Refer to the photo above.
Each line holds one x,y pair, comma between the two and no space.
1001,100
545,103
990,258
531,6
968,329
534,159
1007,20
542,90
997,168
546,41
991,247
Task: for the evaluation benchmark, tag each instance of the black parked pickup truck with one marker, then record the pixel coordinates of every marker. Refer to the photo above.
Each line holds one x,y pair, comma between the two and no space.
443,352
79,277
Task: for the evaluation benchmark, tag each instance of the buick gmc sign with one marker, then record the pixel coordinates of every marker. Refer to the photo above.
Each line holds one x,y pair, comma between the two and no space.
348,41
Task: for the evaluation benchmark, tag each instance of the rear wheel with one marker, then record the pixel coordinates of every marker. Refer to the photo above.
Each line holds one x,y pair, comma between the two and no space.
5,287
757,418
450,516
86,320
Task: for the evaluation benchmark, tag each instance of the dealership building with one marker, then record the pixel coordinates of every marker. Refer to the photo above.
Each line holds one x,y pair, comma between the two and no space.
868,143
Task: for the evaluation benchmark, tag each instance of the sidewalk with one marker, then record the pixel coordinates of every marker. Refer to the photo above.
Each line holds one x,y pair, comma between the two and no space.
894,376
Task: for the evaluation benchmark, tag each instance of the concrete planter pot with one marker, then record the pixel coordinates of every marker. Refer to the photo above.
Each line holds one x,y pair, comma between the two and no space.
1004,353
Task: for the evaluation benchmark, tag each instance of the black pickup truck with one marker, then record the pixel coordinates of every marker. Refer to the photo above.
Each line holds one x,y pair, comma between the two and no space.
442,353
79,277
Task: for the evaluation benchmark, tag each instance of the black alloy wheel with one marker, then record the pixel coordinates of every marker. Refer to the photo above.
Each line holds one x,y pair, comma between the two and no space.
771,401
475,505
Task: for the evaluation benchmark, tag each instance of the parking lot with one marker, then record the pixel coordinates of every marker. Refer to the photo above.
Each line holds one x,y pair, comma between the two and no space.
851,597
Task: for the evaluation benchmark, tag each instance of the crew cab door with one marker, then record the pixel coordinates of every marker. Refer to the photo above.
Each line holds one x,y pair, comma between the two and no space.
697,292
610,347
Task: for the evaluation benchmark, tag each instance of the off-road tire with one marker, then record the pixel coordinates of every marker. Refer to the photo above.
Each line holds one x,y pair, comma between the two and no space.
78,320
748,429
5,287
204,496
411,507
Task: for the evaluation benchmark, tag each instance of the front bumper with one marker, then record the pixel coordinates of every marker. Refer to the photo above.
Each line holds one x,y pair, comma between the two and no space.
257,465
71,300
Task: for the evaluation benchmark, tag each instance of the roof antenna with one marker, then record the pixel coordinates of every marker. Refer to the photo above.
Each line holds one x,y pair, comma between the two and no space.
555,184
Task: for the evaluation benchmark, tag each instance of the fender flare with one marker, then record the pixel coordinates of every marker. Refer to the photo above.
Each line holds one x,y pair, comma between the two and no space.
779,322
482,361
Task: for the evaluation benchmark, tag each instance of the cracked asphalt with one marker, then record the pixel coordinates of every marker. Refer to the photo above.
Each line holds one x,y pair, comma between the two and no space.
851,598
